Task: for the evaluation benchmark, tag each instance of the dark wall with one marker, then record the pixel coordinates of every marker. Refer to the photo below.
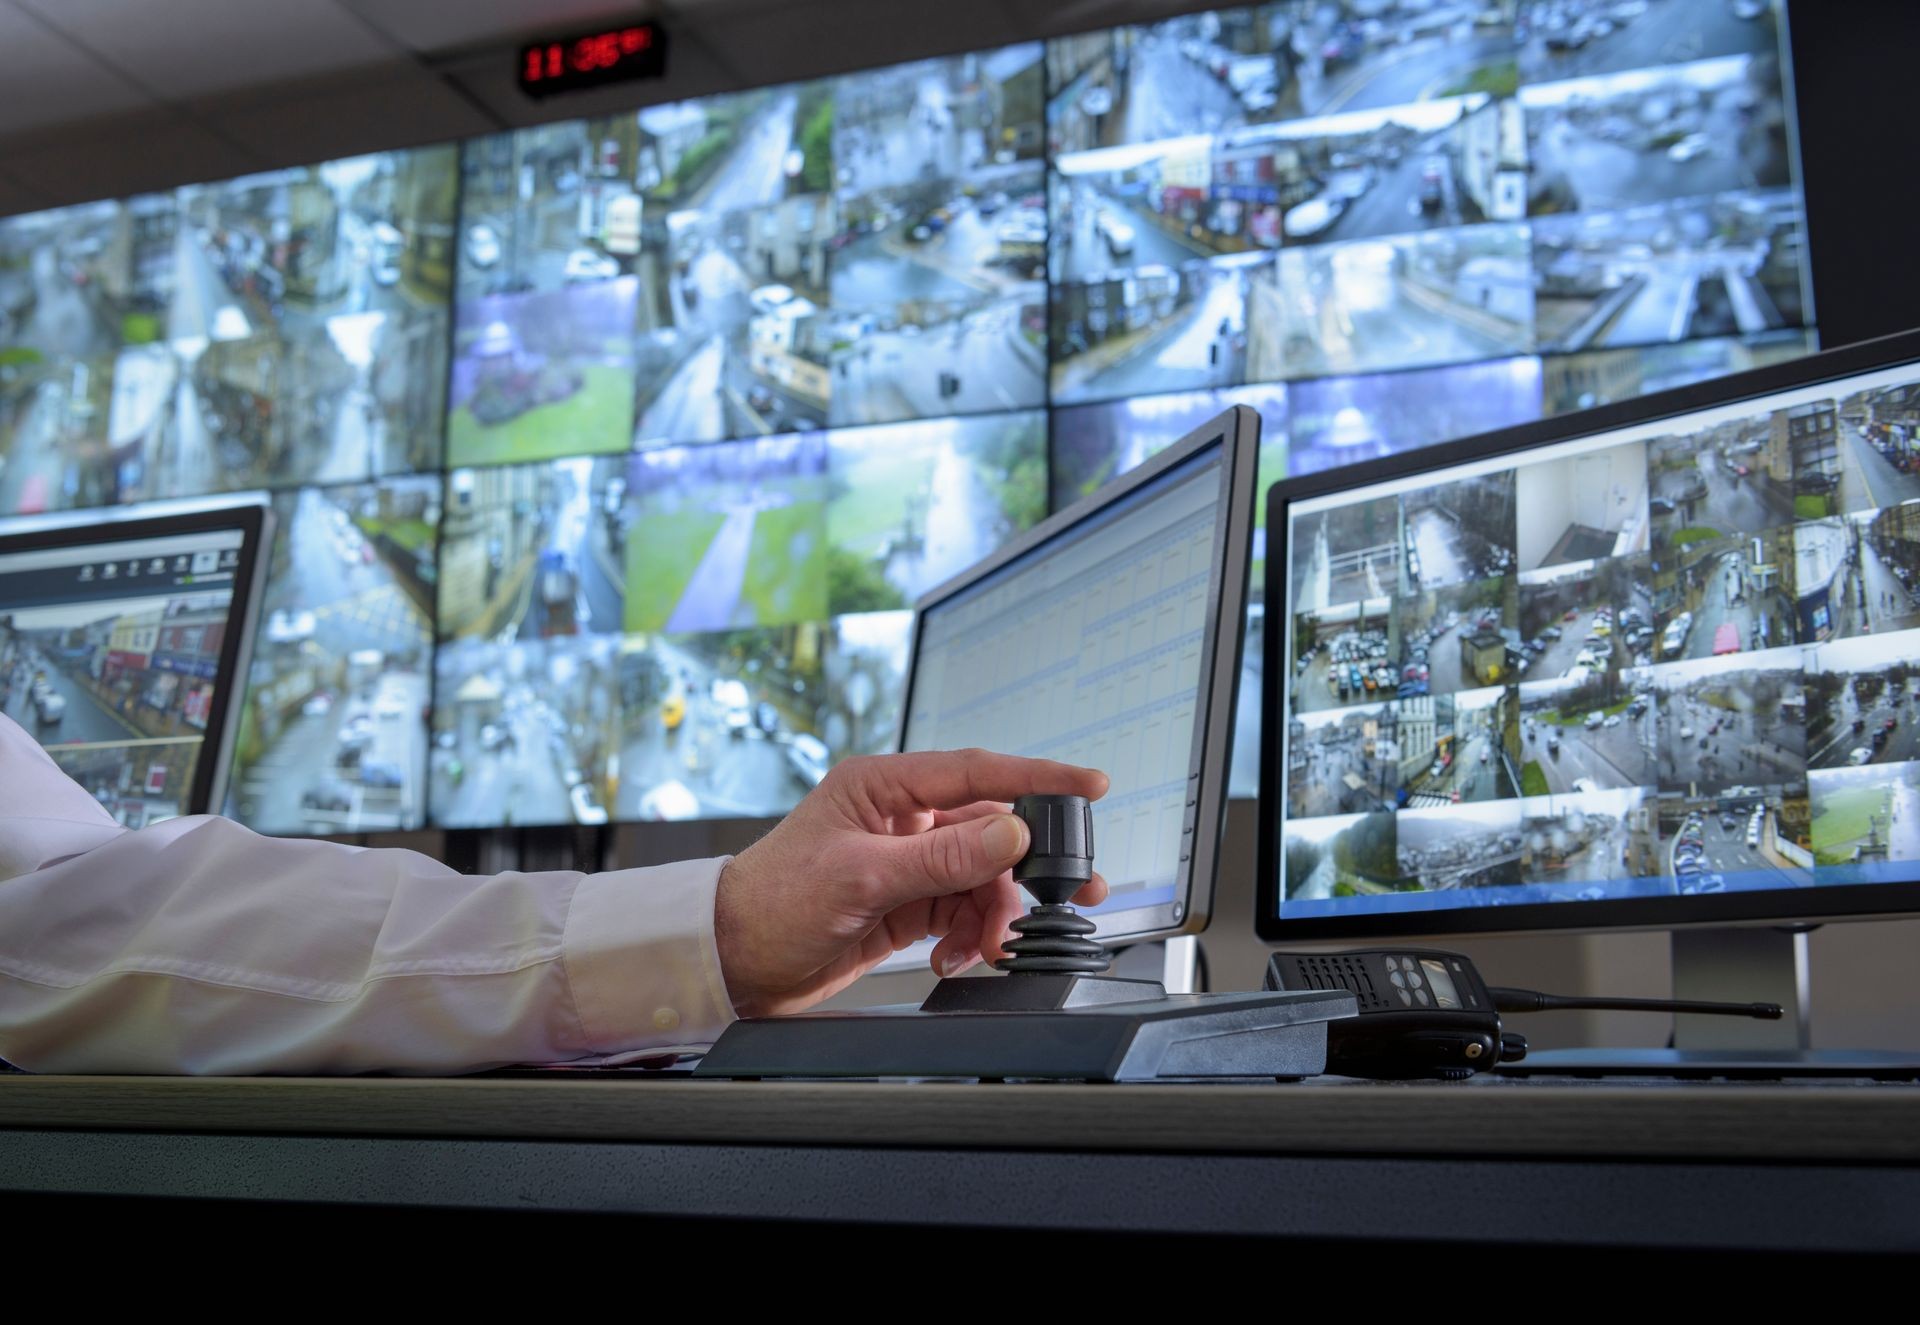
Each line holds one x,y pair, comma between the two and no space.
1856,68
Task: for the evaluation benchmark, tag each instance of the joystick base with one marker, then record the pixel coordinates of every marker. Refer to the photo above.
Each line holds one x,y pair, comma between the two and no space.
959,1034
1035,991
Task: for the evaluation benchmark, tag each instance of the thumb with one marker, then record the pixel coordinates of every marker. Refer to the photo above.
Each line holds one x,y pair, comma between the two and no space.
957,857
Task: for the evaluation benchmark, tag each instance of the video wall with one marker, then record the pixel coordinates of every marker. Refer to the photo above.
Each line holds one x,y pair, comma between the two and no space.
1677,659
611,454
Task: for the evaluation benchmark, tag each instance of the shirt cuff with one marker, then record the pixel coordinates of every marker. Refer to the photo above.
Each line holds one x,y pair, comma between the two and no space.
641,959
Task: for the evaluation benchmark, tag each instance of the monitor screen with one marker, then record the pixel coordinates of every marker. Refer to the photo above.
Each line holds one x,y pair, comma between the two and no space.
113,655
1093,648
1674,659
612,452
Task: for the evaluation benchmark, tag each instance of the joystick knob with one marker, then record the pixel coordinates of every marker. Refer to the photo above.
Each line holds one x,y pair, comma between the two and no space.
1053,937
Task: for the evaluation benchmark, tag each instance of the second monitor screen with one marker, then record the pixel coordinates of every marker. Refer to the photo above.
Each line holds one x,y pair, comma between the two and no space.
1676,659
1091,649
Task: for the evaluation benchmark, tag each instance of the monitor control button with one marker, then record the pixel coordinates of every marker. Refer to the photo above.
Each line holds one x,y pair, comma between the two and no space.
1405,1000
1399,980
1413,976
1393,963
1421,994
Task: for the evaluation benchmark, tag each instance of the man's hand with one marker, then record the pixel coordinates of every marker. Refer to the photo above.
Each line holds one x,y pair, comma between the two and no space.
888,850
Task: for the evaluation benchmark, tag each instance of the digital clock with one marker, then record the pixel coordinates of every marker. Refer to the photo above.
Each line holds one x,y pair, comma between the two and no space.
611,55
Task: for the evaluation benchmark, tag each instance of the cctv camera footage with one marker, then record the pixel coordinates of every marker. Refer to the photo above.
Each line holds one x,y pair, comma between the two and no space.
1674,660
679,408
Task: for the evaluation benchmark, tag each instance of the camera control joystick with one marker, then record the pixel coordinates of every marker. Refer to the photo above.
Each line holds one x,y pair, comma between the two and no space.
1059,861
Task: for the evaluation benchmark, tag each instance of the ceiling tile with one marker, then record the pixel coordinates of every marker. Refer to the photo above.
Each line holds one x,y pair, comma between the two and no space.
185,48
771,45
398,105
98,163
437,25
15,197
49,80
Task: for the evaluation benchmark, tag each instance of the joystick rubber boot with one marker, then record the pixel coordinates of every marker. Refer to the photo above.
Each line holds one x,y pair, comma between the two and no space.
1059,860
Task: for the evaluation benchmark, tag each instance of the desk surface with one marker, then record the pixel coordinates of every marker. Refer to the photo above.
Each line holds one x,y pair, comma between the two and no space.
1811,1122
1811,1166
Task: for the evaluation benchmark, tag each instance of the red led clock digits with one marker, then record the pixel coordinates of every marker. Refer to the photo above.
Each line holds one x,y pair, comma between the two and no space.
595,58
590,53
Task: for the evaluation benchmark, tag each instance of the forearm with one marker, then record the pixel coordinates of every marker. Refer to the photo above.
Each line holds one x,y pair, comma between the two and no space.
199,947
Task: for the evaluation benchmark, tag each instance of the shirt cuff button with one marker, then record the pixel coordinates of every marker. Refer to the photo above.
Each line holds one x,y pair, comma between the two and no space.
665,1019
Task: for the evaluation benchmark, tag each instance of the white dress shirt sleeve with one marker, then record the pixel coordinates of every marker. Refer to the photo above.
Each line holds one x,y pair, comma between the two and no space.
197,946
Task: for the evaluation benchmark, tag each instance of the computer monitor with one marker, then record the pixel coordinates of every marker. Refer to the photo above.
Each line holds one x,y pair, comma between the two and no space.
1109,636
1656,665
120,647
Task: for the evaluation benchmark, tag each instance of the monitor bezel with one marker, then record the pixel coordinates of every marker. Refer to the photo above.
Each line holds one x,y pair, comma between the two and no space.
1775,905
253,521
1236,432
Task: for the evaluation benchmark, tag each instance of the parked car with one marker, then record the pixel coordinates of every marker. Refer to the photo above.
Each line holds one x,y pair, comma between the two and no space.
586,810
807,756
290,626
483,245
332,794
669,800
381,773
583,264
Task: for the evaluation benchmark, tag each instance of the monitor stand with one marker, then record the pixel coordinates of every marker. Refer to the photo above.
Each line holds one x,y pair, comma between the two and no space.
1760,965
1055,1015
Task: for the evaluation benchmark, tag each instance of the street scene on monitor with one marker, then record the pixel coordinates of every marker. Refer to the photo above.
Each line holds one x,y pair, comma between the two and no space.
118,691
1701,678
685,404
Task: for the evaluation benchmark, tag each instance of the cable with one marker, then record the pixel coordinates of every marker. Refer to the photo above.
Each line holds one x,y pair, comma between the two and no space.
1528,1000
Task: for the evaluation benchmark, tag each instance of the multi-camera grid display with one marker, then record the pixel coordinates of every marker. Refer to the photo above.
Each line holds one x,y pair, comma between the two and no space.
1678,659
611,454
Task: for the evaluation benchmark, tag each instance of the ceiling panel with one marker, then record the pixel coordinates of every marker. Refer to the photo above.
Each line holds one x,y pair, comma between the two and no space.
185,48
14,196
1082,15
438,25
170,151
51,81
767,46
328,78
398,105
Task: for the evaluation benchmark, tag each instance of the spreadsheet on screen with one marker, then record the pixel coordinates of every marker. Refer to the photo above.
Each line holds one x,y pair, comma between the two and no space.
1089,650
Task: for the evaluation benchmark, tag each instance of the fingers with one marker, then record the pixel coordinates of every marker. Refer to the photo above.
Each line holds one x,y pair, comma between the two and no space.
1092,892
999,908
908,924
952,919
952,858
960,949
944,911
950,779
977,810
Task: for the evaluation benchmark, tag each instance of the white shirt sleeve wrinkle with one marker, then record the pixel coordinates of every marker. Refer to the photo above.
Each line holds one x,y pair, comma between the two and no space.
196,945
